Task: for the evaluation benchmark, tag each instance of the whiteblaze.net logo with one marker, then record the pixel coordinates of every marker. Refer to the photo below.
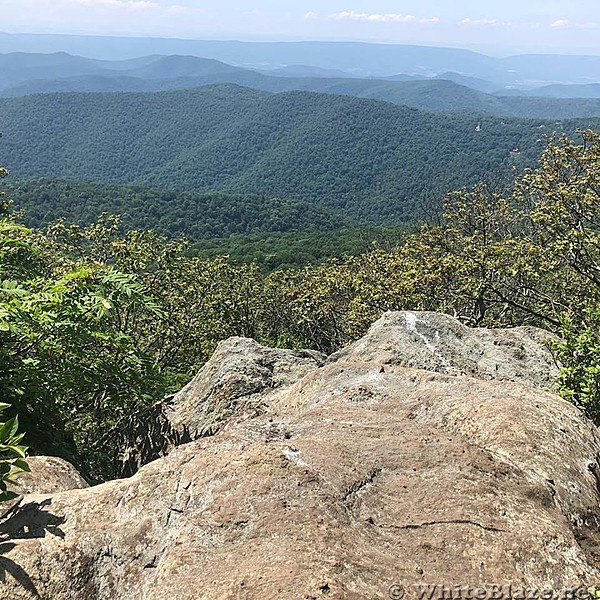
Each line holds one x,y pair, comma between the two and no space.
494,591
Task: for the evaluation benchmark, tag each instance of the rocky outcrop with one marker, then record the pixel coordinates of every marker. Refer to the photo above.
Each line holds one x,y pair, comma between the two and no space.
48,475
440,343
241,375
347,479
236,380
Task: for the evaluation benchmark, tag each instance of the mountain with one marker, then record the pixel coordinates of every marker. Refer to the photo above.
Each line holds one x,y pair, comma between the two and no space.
360,59
157,73
308,71
374,161
481,85
18,67
173,67
168,212
270,231
590,90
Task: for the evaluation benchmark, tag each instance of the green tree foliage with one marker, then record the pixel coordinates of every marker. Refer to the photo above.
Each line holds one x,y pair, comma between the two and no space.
530,256
564,196
171,213
273,232
579,352
374,161
273,251
65,369
201,301
12,454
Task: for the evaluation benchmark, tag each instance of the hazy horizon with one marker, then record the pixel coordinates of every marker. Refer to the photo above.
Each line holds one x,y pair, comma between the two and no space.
502,28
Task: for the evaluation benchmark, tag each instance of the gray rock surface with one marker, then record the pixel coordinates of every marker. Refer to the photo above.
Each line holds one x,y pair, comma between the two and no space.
236,380
438,342
339,483
48,475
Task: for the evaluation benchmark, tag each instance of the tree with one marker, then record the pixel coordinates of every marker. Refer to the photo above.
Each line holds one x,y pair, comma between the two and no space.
65,369
12,452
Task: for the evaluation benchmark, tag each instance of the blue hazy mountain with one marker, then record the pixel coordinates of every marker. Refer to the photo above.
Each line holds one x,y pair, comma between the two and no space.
360,59
475,83
589,90
23,74
308,71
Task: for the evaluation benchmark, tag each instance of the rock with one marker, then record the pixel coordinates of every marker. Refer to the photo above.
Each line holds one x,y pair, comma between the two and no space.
48,475
362,474
241,373
437,342
236,380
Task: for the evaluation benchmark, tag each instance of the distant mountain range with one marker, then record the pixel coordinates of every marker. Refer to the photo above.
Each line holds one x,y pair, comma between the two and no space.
589,90
23,74
372,161
330,58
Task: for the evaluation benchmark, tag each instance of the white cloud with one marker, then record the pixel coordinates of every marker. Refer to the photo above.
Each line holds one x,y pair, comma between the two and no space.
311,15
375,17
177,9
559,24
478,22
381,17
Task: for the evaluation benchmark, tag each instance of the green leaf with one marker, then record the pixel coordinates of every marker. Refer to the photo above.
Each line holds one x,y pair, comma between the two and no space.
22,465
6,496
8,429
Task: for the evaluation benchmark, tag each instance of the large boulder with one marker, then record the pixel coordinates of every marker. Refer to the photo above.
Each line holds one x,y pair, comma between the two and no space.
236,380
241,375
361,475
438,342
49,474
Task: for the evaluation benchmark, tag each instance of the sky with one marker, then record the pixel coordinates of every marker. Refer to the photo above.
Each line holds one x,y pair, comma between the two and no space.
498,27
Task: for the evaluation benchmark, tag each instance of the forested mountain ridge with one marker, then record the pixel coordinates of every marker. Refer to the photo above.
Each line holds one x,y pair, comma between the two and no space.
374,160
273,232
23,74
171,213
587,90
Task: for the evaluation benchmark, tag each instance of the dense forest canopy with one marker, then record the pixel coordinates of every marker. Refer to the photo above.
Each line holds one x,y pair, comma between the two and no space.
197,215
247,228
374,161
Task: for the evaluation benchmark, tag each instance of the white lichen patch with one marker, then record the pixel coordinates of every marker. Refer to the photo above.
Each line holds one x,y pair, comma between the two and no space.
294,455
411,324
